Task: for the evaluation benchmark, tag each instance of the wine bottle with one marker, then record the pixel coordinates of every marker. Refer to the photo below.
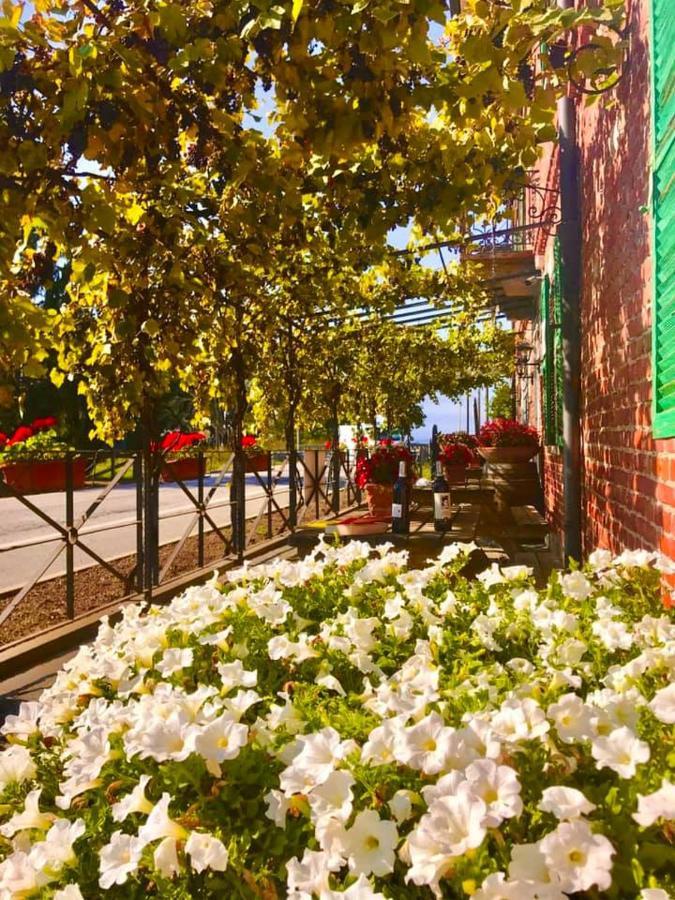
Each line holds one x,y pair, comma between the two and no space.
441,500
400,507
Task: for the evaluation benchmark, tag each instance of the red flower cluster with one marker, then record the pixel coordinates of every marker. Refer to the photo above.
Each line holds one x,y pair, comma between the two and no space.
249,441
456,455
381,467
23,432
458,437
507,433
174,441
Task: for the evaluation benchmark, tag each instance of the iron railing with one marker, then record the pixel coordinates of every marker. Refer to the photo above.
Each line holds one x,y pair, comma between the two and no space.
222,516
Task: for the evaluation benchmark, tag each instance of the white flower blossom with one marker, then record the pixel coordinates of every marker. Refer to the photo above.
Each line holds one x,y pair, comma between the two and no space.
658,805
579,858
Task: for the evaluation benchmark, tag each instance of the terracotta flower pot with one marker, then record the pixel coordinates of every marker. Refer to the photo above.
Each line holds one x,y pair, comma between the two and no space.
182,469
508,454
256,462
455,474
43,476
379,499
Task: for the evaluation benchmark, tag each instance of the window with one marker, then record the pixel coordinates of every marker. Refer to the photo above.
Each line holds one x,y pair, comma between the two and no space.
663,217
551,337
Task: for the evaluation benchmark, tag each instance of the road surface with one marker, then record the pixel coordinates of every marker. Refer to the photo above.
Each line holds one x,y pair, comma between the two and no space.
20,526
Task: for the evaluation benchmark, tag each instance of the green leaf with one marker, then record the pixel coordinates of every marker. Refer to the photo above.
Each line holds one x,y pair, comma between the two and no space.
297,9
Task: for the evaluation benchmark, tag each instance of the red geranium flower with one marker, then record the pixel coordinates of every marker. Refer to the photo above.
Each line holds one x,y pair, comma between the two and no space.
455,455
22,433
507,433
248,441
173,441
3,440
381,467
44,423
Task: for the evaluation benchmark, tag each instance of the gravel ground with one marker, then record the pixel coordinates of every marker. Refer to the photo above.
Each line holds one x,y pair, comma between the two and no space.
45,604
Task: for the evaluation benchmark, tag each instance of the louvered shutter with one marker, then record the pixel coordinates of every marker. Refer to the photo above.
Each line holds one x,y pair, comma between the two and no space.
547,363
559,380
663,216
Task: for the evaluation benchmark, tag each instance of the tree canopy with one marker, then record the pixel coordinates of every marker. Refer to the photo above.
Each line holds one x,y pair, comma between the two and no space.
129,147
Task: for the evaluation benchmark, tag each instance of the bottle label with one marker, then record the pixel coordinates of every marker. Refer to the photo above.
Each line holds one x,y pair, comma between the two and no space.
441,506
397,510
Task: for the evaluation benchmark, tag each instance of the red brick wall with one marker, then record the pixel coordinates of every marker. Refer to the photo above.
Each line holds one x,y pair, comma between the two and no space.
628,478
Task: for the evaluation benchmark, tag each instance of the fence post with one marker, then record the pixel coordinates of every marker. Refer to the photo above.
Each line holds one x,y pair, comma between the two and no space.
269,498
70,539
200,500
140,556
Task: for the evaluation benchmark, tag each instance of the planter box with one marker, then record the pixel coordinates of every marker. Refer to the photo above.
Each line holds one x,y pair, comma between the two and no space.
508,454
43,476
455,475
187,469
379,499
257,462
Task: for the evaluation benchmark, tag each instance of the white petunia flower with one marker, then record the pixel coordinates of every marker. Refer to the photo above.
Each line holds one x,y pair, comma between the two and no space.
165,857
174,660
401,805
571,717
331,683
134,802
235,675
663,704
30,818
318,756
654,894
25,723
565,803
56,851
520,720
310,875
360,890
220,740
370,843
453,825
600,559
424,746
579,858
658,805
16,766
159,824
576,586
206,852
621,751
333,798
69,892
498,787
278,805
19,877
119,859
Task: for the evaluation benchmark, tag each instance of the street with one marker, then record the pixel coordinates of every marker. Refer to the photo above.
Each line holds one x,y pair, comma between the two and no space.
20,526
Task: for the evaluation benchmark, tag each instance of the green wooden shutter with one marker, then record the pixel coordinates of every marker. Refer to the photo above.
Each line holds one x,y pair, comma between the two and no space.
558,276
663,216
547,362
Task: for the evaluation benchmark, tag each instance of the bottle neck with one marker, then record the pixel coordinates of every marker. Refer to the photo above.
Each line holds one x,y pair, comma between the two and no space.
402,469
439,468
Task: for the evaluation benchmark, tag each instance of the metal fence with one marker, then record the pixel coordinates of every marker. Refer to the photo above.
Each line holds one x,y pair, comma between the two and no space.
124,524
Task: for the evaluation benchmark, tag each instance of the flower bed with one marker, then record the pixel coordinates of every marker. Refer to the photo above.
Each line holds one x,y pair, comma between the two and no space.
345,726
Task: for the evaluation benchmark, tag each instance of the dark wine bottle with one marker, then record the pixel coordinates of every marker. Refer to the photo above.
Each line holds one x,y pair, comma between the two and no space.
441,500
400,507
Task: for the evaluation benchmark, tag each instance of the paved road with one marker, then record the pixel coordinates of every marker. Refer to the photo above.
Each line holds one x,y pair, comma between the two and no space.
19,525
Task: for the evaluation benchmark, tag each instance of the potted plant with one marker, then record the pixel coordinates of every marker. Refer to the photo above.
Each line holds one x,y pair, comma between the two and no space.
376,474
256,456
455,457
181,459
507,441
33,459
